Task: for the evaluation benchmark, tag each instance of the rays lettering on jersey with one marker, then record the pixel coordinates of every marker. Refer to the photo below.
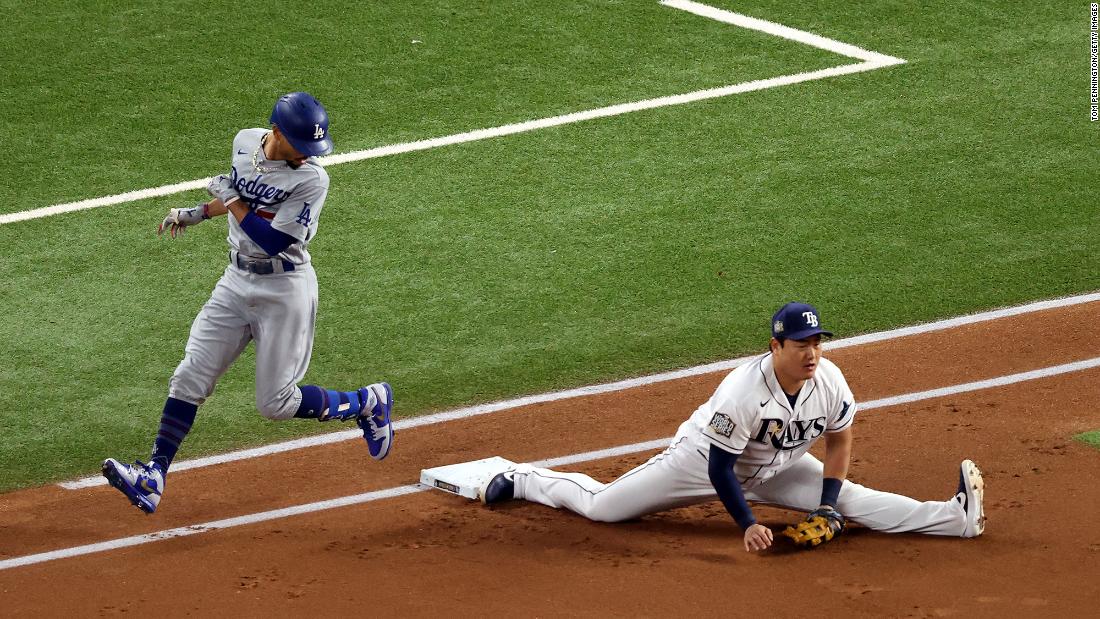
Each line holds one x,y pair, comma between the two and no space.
793,436
256,191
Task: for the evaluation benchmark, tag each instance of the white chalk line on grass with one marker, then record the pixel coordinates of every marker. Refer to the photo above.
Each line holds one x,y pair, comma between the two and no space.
483,409
869,62
388,493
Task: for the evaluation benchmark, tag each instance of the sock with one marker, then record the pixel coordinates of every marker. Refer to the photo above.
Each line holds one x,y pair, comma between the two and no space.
328,404
314,402
175,423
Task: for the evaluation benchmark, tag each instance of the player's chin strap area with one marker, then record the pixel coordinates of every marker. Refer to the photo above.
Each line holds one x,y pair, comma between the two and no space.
260,266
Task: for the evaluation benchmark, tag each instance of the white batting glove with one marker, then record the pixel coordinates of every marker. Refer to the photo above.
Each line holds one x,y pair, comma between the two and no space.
179,218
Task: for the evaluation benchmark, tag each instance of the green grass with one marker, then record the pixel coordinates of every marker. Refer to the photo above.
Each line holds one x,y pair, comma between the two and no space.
540,261
1090,438
145,97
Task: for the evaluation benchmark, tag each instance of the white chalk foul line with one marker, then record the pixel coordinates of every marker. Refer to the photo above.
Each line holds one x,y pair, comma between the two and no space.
1000,381
869,61
227,523
483,409
785,32
388,493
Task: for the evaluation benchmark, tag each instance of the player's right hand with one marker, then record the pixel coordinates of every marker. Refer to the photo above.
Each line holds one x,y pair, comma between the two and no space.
757,537
178,219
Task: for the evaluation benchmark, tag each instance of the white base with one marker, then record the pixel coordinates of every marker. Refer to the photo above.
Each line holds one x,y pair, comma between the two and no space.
464,478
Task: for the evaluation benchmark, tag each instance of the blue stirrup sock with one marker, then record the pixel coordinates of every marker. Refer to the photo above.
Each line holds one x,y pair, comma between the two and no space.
328,405
314,402
175,423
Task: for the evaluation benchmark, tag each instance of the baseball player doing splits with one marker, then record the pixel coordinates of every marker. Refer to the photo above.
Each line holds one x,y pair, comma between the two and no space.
749,443
273,193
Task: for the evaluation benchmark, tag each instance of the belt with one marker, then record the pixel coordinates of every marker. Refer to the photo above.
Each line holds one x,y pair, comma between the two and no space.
260,266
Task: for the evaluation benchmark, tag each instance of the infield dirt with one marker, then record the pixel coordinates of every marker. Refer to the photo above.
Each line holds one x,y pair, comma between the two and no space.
432,554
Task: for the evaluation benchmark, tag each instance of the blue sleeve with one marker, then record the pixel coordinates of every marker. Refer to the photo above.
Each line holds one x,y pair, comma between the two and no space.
269,239
728,488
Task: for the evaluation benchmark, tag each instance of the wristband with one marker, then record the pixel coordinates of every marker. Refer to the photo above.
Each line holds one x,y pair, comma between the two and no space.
830,490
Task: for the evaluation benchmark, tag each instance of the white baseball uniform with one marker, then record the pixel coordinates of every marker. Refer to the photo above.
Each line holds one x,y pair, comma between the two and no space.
750,415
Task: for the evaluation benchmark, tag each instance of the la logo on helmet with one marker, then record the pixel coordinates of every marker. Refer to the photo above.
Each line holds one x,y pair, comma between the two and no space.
318,132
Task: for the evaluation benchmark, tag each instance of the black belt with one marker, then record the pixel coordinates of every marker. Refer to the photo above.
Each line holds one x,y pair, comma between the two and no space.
261,266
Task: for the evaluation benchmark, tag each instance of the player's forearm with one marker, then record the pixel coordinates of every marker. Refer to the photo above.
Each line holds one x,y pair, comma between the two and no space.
720,470
238,208
215,208
838,454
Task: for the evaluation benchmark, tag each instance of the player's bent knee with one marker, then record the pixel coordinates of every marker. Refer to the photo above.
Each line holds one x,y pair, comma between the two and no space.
277,410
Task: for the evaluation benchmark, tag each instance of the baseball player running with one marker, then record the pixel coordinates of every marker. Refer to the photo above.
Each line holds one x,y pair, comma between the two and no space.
274,193
749,444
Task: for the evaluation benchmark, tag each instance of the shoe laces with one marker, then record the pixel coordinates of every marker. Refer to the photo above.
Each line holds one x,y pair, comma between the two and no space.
378,428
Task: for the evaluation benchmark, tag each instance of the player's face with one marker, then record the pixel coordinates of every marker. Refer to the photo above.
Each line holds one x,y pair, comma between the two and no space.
797,360
293,156
286,152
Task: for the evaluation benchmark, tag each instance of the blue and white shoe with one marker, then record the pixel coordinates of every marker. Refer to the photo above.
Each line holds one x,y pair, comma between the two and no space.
142,483
375,420
972,496
498,488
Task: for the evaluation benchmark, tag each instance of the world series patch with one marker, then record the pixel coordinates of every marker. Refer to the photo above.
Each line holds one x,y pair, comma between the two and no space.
722,424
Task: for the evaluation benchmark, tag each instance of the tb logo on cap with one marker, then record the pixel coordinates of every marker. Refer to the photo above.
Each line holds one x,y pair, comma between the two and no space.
797,321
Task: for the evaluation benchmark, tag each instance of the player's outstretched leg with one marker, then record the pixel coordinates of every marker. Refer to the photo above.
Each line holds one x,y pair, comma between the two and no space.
663,482
799,487
370,407
142,483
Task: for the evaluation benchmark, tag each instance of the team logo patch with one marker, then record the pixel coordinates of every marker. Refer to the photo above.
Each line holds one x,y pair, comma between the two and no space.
722,424
778,326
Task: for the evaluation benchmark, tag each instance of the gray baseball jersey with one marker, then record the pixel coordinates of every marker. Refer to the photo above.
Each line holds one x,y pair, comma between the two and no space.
275,307
291,198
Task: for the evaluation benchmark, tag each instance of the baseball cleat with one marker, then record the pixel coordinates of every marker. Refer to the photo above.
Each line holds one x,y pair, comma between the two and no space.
142,483
972,495
500,487
375,422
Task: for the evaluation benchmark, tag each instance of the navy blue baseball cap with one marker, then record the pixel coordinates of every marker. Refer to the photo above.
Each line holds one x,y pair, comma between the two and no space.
797,321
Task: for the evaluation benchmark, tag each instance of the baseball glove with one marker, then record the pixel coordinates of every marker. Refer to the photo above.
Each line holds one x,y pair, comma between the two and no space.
820,526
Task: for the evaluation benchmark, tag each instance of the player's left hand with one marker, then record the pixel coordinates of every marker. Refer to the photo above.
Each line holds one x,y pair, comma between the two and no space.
820,526
757,537
178,219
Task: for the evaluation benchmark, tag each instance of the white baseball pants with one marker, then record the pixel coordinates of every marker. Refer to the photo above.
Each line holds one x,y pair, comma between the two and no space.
678,476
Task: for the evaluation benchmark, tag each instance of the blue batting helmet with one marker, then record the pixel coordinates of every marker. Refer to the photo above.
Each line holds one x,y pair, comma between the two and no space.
304,122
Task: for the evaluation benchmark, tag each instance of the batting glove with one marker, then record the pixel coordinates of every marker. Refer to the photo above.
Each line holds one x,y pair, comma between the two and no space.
179,218
221,188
